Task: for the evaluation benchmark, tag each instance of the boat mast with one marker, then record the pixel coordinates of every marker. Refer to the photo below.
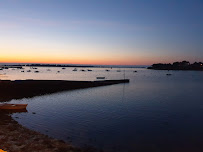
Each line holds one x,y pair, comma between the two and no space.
124,74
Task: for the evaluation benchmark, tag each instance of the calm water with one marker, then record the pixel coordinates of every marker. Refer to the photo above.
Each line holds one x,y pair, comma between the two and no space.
154,112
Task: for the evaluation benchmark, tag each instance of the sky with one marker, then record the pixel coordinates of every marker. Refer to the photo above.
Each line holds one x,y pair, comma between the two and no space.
107,32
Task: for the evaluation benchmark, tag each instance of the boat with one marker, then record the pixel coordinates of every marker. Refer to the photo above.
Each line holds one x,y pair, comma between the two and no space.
82,70
135,71
89,70
107,70
75,69
168,74
13,106
100,77
63,68
29,71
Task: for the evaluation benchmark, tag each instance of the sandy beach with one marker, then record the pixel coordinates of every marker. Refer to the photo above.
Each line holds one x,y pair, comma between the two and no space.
16,138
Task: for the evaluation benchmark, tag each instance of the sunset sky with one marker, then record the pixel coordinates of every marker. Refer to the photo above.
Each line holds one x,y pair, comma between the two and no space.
109,32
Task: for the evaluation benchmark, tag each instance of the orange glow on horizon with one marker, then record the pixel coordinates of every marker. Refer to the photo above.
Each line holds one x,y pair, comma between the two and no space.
74,61
95,59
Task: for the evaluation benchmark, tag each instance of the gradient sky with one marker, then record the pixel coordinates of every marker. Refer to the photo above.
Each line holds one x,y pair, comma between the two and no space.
121,32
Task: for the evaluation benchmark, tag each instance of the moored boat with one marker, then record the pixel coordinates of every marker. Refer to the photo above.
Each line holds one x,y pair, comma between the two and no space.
100,77
13,106
75,69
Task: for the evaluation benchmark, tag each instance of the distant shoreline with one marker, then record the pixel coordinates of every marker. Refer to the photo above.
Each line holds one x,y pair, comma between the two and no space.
71,65
184,65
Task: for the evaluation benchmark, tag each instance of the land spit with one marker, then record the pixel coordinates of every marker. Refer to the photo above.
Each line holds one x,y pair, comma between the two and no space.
16,138
29,88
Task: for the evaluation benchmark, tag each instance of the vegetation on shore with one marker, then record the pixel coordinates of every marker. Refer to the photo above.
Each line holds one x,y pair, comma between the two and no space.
184,65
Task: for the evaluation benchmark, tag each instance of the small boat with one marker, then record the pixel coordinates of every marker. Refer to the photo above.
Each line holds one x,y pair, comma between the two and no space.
89,70
100,77
22,71
107,70
36,71
135,71
75,69
168,74
82,70
63,68
13,106
29,71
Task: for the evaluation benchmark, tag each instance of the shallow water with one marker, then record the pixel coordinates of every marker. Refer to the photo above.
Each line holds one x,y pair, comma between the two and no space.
154,112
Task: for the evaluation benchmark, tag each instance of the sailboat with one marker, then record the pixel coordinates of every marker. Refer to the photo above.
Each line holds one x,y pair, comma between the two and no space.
75,69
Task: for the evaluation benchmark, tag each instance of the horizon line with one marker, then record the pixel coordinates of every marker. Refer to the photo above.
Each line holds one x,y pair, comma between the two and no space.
70,64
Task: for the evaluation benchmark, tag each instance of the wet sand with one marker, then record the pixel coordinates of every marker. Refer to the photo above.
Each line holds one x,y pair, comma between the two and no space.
16,138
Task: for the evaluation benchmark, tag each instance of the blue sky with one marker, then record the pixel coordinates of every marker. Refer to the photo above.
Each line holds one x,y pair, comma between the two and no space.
101,32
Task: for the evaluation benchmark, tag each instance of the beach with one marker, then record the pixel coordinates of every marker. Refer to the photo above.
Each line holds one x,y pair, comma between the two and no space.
16,138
